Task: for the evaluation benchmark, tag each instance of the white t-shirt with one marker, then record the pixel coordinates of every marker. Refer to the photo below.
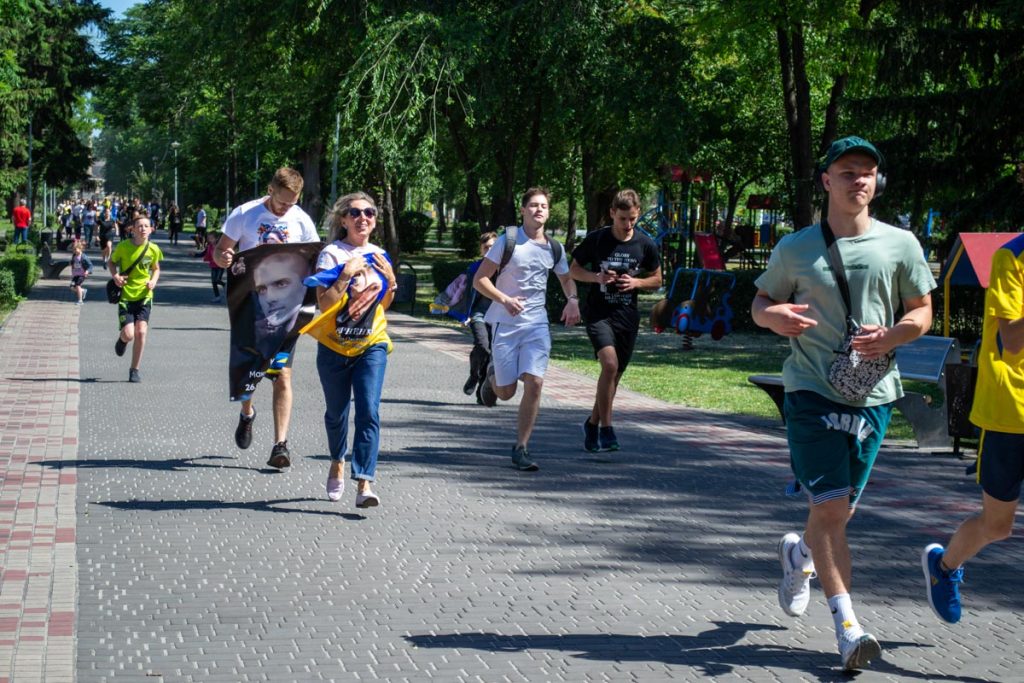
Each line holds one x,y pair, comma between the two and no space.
338,252
525,275
252,224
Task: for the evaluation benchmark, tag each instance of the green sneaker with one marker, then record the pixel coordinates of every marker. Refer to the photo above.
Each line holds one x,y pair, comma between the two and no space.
521,459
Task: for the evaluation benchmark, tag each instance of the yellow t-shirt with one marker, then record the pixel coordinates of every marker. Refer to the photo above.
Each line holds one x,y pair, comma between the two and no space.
999,394
124,255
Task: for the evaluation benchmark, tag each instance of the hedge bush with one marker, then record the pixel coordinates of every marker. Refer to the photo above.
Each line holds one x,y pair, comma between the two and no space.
8,293
413,228
24,269
466,237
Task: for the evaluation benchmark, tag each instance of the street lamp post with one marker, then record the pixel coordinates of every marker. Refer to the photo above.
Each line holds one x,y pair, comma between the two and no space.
175,145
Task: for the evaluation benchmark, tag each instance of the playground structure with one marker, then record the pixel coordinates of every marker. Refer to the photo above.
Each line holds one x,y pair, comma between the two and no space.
673,224
707,309
969,264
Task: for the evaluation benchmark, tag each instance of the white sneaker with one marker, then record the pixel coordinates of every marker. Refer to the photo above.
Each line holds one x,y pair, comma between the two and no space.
858,649
367,499
795,587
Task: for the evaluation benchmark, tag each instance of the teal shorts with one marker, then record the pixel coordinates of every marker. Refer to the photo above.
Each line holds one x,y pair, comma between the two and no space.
833,446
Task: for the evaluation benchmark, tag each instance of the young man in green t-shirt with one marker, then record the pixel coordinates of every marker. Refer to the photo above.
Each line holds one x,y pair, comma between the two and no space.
833,440
137,283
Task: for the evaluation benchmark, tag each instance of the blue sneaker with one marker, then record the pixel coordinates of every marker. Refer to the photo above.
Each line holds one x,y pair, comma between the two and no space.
943,587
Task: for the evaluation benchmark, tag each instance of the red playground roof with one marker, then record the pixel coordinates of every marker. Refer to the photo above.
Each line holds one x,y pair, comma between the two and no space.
970,259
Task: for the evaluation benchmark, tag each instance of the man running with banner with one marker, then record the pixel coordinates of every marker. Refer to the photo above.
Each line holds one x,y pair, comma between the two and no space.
267,301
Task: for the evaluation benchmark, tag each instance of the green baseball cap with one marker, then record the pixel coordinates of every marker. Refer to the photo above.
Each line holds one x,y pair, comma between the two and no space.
852,143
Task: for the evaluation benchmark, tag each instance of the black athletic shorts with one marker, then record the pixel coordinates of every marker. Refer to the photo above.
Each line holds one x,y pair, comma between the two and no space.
129,312
105,239
618,330
77,280
1001,464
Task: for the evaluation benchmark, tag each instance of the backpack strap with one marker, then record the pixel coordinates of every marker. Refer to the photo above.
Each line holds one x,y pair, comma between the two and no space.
511,237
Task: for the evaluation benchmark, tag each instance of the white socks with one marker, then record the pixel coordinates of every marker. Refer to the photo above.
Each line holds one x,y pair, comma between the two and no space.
843,616
800,554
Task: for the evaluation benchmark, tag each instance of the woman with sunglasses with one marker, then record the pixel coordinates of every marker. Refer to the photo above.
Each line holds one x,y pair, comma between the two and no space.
353,353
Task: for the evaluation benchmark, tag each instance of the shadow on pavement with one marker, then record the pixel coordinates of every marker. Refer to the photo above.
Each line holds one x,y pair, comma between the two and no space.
253,506
714,652
169,465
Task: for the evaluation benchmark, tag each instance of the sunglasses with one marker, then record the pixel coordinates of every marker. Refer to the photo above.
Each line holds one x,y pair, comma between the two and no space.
353,212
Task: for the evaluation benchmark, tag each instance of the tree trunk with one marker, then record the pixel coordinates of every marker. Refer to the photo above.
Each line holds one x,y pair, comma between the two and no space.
474,210
312,200
797,104
391,243
597,200
503,203
570,228
534,148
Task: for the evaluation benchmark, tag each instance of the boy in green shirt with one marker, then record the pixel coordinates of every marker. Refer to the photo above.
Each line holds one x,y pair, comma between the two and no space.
137,283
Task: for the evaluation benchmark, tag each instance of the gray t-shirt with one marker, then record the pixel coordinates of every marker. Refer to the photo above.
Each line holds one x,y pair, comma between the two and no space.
525,275
884,266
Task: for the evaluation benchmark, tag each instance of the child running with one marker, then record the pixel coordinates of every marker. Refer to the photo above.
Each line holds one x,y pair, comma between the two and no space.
216,272
81,268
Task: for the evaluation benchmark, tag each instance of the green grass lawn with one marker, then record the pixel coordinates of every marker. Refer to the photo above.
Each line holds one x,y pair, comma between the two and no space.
713,376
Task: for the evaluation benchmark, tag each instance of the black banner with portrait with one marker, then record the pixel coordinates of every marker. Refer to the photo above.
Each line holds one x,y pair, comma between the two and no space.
268,304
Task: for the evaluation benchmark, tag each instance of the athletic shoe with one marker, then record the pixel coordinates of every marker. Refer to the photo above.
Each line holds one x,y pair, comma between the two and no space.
367,499
795,587
215,300
133,376
858,651
279,456
943,587
487,395
591,442
335,487
521,459
469,386
609,442
243,432
120,346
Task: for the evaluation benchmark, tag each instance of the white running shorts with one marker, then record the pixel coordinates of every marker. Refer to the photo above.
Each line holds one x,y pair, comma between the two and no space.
519,349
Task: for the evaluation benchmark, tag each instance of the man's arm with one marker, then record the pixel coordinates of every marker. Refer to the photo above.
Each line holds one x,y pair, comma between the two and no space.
781,318
626,282
578,272
1011,332
483,283
112,267
571,312
224,252
878,340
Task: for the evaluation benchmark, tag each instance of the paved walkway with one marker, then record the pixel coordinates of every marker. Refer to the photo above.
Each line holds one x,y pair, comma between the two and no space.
196,562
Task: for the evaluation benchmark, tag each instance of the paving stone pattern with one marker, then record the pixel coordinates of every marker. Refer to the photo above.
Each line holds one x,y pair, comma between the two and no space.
198,563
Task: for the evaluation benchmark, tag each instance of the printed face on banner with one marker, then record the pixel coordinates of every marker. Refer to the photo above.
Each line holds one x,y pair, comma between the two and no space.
268,304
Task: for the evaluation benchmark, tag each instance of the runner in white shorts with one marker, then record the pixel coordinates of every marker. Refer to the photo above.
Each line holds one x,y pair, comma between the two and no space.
521,342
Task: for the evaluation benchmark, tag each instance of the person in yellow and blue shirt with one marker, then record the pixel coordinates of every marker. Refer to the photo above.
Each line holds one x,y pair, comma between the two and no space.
999,410
352,354
135,265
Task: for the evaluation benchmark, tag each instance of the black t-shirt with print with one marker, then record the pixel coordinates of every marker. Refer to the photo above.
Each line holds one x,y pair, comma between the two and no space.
638,257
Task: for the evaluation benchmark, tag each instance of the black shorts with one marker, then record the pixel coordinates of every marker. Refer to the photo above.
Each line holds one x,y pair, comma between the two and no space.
77,280
1001,464
105,239
130,312
618,331
200,232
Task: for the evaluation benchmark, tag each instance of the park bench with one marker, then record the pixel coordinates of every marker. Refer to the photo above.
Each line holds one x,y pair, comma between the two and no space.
3,240
923,360
406,282
50,267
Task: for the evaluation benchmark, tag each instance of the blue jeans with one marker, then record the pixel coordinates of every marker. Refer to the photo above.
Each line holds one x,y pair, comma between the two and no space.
360,378
88,232
21,235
